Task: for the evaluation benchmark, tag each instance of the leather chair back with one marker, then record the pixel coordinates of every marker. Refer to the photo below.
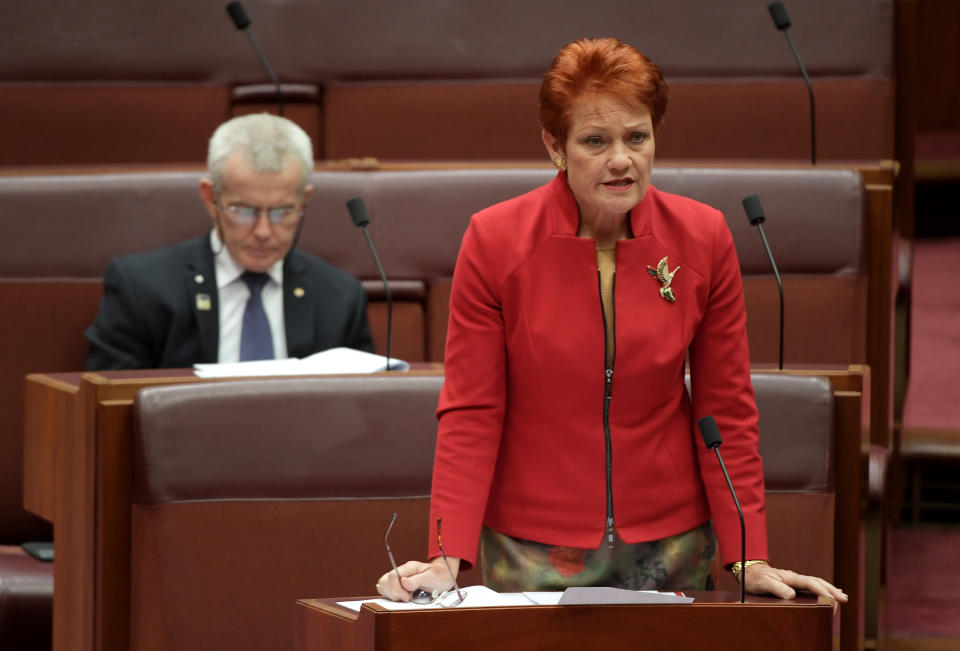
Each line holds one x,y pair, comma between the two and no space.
249,495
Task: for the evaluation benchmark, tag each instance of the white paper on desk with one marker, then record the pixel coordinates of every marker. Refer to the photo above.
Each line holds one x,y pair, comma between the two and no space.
544,598
585,596
328,362
478,596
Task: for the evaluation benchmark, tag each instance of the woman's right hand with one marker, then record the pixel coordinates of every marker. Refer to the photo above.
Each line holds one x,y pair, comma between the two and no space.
432,576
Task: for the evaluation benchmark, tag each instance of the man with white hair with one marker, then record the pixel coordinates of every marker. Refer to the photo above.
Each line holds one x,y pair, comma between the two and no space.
241,292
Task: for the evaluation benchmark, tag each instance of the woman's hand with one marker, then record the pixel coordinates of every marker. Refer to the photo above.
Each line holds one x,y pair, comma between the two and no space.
432,576
763,579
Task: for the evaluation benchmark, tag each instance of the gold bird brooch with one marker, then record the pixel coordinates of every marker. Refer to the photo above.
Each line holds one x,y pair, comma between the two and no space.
665,276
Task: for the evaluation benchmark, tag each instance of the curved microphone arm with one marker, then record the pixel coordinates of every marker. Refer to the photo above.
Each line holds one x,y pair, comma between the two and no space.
776,274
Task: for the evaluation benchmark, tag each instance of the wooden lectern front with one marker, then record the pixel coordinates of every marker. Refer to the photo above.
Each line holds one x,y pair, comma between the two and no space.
713,622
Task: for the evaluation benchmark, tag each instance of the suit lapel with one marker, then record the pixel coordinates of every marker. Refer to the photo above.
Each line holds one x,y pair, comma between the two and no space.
201,282
298,308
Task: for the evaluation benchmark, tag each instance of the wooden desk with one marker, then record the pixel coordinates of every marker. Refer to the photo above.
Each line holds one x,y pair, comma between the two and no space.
77,435
714,621
77,475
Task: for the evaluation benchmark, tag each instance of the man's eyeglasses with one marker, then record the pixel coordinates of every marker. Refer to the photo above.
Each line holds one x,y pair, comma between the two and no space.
244,215
445,599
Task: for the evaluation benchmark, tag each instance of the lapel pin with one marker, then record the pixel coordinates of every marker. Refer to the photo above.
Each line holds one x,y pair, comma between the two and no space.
198,278
298,292
665,276
203,302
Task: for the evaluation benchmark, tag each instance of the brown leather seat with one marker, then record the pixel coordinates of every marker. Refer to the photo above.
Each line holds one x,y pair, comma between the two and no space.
816,225
797,447
434,80
251,494
26,600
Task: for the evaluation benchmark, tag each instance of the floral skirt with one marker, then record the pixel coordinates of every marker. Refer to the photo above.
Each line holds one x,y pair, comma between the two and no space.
679,562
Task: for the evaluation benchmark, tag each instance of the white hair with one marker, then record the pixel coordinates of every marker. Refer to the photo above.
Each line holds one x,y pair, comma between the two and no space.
268,141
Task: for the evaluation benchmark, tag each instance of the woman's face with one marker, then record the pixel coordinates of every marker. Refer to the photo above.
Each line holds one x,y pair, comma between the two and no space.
609,152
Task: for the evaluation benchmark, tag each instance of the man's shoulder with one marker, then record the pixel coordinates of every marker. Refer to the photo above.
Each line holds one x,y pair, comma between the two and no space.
322,270
174,255
309,263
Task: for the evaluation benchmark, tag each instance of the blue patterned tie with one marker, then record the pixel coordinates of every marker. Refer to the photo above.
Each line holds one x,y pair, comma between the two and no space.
256,342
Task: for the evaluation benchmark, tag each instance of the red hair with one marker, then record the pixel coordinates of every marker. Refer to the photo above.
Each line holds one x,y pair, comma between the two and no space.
606,66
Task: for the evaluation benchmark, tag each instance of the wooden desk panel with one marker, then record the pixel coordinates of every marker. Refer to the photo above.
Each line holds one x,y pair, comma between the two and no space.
49,408
712,622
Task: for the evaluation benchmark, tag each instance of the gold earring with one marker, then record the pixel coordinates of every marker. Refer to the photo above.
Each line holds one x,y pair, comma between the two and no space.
560,163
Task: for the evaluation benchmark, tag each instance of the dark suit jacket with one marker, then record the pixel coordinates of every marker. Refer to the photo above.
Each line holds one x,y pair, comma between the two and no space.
152,313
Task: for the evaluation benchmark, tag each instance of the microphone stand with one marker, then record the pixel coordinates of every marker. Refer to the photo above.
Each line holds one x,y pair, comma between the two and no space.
754,210
813,111
386,290
743,528
781,20
358,213
776,274
711,438
269,68
242,22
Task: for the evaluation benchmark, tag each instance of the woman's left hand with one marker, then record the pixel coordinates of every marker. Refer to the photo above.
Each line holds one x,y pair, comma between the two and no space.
764,579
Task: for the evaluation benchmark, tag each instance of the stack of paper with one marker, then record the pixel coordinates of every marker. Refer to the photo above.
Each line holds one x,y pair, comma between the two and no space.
478,596
328,362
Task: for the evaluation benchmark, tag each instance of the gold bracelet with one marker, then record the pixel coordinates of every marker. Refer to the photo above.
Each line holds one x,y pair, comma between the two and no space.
737,567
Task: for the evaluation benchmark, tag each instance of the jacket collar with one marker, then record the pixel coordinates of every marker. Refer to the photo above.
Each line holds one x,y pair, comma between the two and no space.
565,213
299,306
201,284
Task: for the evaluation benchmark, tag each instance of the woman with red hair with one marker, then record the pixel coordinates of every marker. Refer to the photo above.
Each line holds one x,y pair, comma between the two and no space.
566,442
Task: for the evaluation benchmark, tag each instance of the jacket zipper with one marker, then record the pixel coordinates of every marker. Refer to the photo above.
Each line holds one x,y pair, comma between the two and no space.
609,354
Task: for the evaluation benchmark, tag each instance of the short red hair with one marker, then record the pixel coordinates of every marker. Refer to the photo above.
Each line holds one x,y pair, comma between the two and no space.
605,66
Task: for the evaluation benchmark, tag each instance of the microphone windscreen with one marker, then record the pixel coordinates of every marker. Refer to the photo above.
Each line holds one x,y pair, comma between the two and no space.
358,212
781,19
238,15
751,204
709,432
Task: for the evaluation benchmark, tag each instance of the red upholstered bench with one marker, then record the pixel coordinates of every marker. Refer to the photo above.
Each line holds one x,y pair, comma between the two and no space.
26,600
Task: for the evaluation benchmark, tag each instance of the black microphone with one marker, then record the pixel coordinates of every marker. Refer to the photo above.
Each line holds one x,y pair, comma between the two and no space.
242,22
238,15
358,213
751,204
781,21
711,438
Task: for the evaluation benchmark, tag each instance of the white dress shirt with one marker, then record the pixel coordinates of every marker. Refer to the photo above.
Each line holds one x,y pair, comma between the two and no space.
232,294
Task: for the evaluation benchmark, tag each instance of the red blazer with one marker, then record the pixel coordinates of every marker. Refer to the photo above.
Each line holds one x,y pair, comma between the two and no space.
521,442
